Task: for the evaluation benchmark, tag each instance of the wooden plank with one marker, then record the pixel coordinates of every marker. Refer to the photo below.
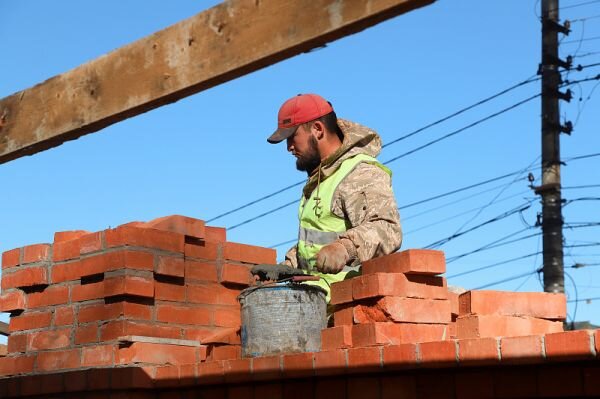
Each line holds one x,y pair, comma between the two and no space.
222,43
156,340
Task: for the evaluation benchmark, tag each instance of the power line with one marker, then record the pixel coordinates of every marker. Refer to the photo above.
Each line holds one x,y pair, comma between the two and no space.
597,154
495,244
457,131
494,265
262,215
578,5
585,19
507,279
580,187
478,103
504,215
587,39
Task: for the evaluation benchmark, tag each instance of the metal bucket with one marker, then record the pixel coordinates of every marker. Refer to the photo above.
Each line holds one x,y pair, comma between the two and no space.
282,318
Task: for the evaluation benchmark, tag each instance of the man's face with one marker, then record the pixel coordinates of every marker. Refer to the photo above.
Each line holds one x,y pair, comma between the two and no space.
303,145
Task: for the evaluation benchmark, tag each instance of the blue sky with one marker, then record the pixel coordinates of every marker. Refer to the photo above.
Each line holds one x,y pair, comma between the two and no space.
207,154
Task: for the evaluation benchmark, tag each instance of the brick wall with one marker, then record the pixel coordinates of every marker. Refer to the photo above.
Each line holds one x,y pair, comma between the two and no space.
149,310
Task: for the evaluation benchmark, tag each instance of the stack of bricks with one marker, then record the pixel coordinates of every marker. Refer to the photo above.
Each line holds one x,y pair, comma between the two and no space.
486,314
162,292
400,298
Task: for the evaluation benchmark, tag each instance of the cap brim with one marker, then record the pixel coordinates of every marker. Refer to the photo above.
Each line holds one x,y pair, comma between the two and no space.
281,134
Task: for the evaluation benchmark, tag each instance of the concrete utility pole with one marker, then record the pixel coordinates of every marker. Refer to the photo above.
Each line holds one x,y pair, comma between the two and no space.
550,190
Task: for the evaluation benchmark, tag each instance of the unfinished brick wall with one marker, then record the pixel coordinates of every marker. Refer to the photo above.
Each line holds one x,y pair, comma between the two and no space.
149,310
83,300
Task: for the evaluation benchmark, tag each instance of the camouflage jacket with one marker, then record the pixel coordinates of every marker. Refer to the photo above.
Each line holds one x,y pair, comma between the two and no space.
364,199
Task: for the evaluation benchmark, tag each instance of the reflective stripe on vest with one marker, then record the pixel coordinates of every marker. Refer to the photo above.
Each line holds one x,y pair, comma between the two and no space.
319,226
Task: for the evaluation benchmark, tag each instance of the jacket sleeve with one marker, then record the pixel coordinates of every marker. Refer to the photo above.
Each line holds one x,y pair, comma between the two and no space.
366,200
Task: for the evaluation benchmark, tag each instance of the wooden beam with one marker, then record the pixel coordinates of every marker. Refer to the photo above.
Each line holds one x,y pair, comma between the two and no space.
222,43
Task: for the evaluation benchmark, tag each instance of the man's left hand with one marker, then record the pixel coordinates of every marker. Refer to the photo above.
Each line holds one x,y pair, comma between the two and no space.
332,258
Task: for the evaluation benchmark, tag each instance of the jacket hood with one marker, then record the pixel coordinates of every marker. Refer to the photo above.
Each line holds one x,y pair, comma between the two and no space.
358,139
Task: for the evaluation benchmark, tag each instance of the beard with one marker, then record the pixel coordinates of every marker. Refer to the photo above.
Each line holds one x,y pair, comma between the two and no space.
309,161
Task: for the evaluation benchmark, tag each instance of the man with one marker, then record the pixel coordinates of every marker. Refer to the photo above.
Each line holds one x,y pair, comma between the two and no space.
348,213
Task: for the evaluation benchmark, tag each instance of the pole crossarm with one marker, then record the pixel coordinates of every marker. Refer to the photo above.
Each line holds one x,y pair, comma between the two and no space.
222,43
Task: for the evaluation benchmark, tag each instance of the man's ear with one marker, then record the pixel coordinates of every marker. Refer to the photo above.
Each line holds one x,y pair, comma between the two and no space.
318,130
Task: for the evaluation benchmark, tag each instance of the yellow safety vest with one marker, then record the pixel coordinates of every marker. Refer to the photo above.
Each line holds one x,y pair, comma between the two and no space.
319,226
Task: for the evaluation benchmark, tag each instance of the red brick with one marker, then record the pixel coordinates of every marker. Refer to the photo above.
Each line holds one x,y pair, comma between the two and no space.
11,258
90,242
58,360
400,356
86,292
75,381
478,351
543,305
99,379
249,253
406,310
120,328
199,333
12,300
365,359
30,321
404,385
66,272
271,390
211,372
216,234
394,284
16,365
51,295
52,339
482,326
166,377
98,355
343,316
597,340
102,312
70,235
560,382
200,271
143,237
63,316
26,277
17,343
422,261
363,387
570,345
237,370
203,250
336,337
396,333
129,285
226,352
142,352
330,362
341,292
266,368
86,334
65,250
229,336
454,307
227,317
522,349
238,391
183,315
166,291
236,274
123,259
170,266
36,253
212,293
127,378
298,365
438,353
474,385
179,224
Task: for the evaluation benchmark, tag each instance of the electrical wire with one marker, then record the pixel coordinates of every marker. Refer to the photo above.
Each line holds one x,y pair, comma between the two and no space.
457,131
495,244
587,39
504,215
486,267
505,280
577,5
580,187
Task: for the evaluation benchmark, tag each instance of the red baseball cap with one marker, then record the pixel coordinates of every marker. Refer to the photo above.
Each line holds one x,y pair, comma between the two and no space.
296,111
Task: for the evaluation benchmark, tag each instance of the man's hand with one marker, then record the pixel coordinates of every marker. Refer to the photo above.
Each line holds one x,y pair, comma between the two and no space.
332,258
